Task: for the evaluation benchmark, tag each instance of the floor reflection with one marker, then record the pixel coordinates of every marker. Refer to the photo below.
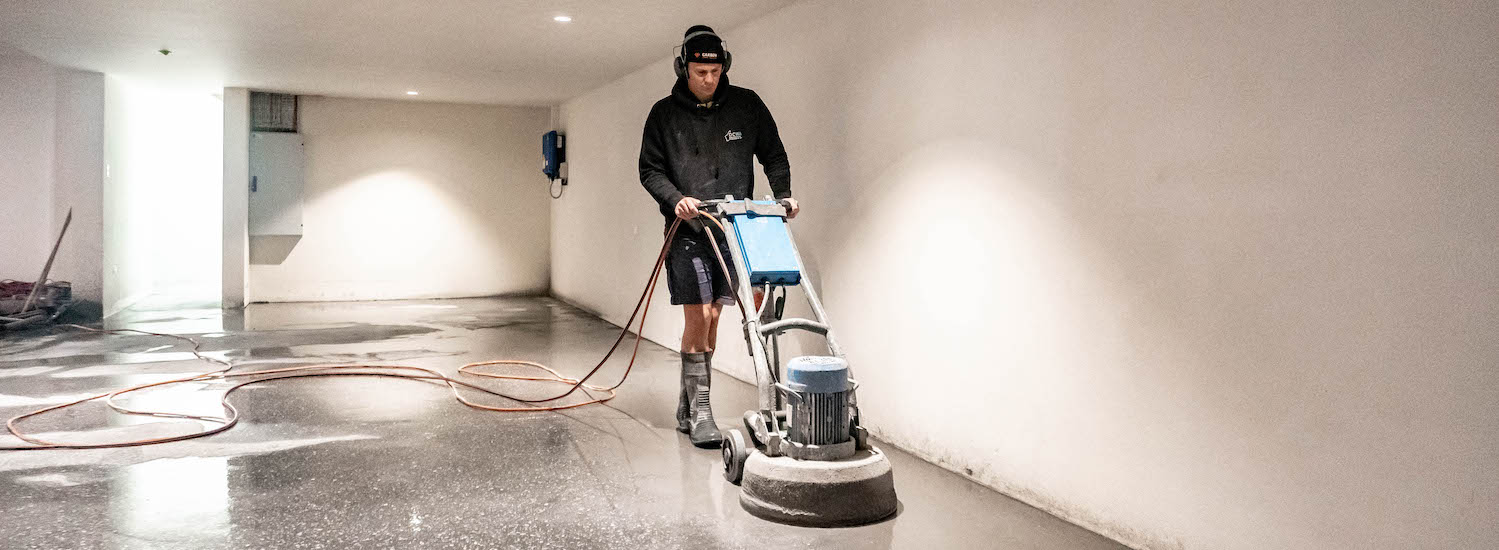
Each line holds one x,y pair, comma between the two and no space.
173,500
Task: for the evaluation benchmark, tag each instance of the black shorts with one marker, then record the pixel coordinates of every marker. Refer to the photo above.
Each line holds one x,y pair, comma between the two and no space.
693,274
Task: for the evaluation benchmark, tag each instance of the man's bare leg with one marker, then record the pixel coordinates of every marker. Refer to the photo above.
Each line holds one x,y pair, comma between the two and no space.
710,341
715,311
700,327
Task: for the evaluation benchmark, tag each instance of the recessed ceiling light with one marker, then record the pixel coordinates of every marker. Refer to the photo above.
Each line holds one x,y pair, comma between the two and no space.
411,92
562,19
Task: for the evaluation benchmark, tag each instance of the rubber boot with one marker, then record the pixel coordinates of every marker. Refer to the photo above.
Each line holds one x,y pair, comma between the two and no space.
696,418
684,394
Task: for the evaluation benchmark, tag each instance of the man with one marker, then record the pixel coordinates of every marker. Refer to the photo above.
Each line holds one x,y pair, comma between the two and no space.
697,145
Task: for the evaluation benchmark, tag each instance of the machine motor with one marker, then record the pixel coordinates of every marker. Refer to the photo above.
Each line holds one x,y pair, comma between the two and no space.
820,395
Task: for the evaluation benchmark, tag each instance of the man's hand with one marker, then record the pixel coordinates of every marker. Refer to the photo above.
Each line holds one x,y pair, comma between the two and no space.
791,207
687,208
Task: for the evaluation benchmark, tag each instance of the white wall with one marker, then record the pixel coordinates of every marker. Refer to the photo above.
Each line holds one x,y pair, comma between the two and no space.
235,247
162,193
28,88
51,122
605,228
407,199
78,186
1191,275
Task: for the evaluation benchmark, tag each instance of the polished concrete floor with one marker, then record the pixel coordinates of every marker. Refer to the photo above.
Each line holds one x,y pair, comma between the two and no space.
387,463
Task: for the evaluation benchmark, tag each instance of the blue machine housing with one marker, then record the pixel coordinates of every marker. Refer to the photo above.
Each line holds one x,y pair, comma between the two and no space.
766,247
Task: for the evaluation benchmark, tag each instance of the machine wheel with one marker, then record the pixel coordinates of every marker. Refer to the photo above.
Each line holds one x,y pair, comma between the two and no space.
734,454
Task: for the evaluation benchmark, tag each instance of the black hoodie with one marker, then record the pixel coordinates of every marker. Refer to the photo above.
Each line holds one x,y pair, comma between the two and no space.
691,150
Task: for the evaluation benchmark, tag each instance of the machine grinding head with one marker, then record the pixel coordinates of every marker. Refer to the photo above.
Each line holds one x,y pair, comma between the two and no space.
824,479
819,493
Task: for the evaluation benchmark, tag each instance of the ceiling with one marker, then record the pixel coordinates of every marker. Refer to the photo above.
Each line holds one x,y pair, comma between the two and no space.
472,51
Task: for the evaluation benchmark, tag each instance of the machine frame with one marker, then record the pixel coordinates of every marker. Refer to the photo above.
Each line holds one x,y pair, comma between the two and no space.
765,428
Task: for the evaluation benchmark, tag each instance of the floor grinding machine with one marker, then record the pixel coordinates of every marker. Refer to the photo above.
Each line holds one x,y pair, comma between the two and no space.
803,458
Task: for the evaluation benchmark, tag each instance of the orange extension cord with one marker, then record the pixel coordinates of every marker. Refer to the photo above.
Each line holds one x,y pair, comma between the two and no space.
642,307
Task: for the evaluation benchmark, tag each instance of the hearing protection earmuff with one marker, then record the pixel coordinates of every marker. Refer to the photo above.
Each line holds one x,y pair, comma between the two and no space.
680,65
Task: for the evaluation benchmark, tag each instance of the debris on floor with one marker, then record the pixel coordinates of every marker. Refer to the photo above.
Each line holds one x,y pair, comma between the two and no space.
22,305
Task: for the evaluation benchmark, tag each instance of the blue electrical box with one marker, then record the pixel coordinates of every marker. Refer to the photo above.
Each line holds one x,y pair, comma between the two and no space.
553,154
766,246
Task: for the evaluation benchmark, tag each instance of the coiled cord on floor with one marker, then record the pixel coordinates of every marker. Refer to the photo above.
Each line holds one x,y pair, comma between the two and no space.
231,414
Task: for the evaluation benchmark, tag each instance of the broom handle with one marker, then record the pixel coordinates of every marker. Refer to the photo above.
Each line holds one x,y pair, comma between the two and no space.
48,268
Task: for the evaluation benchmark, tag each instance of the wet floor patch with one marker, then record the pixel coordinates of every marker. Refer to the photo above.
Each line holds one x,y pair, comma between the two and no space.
206,447
81,348
26,371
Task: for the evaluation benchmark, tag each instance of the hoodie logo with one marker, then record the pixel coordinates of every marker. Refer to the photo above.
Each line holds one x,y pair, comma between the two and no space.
733,135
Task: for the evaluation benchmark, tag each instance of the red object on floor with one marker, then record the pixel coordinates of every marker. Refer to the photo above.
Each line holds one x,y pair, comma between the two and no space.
15,289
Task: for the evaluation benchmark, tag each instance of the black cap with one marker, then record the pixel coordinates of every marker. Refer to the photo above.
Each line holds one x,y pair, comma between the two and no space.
703,48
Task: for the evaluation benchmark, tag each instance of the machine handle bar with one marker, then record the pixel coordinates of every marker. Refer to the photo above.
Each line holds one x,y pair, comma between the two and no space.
789,324
728,206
